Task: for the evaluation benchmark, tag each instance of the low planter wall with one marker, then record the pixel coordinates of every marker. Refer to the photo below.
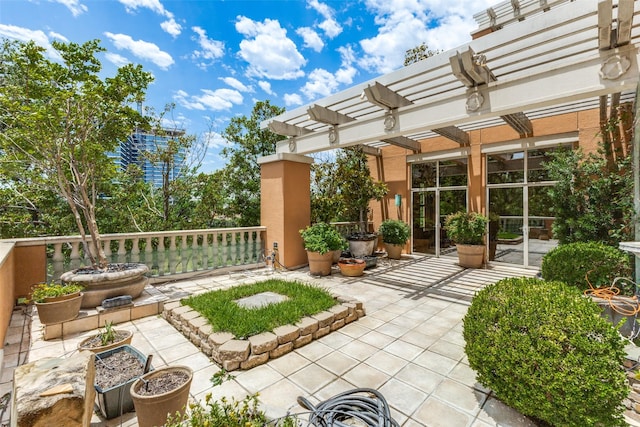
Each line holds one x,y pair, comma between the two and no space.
232,353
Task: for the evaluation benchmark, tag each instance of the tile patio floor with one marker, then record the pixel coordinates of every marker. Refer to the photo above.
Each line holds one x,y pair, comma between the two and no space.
409,346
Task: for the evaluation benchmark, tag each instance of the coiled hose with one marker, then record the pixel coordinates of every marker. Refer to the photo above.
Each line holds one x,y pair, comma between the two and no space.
360,406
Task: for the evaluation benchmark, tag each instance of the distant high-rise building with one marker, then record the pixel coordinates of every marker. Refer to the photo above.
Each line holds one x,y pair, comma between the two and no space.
132,151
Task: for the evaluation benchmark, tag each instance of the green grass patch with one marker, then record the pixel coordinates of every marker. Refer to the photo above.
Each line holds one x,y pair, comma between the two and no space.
225,315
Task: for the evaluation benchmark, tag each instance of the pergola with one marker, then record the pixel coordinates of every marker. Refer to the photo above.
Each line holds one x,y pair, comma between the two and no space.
528,59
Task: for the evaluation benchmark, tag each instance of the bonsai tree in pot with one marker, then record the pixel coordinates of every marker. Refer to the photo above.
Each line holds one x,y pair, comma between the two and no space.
357,189
320,241
59,134
467,230
395,234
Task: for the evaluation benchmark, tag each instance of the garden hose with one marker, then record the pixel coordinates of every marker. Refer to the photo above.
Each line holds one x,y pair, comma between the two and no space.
627,306
357,407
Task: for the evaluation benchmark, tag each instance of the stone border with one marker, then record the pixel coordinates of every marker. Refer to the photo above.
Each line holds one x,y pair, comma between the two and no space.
233,354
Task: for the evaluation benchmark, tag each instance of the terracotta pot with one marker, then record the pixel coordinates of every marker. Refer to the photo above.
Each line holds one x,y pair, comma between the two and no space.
470,256
352,267
152,410
83,345
102,285
393,251
59,311
320,264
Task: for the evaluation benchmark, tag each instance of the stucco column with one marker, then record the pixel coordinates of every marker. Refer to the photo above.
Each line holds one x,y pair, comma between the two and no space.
285,204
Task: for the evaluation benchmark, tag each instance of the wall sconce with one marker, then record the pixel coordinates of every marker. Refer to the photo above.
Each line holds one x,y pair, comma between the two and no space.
398,200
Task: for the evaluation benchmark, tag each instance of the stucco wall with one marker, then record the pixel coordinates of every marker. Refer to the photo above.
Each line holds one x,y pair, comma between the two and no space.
7,292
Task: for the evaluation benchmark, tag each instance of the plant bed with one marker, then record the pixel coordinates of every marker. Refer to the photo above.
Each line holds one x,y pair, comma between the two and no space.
116,370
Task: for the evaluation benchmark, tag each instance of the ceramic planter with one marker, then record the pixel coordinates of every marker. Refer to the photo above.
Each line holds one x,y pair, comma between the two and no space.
116,400
99,286
363,247
152,410
352,267
320,264
470,256
59,311
85,343
393,251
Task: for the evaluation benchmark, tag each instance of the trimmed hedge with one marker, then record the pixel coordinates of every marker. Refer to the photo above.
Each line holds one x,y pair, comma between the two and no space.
570,263
545,350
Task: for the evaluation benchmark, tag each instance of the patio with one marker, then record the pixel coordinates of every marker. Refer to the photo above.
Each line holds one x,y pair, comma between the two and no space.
409,346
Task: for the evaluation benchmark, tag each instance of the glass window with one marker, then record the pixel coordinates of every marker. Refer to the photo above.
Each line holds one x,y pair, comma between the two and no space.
423,175
536,160
453,173
505,167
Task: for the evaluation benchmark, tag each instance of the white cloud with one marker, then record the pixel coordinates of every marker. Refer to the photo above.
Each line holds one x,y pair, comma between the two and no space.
292,99
347,71
214,100
154,5
266,87
141,49
74,6
321,83
330,26
214,140
311,39
210,49
236,84
25,35
268,50
404,24
171,27
58,36
116,59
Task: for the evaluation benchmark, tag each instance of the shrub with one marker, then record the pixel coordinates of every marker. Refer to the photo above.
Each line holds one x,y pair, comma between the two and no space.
394,231
571,262
466,228
545,351
322,237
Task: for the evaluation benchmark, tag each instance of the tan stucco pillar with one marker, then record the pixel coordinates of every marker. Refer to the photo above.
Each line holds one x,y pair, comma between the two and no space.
285,204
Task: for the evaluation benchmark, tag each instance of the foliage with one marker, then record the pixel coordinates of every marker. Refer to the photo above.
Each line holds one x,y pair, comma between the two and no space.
322,237
593,197
242,172
60,118
224,315
546,351
109,334
356,185
326,203
571,263
418,53
466,228
42,291
394,231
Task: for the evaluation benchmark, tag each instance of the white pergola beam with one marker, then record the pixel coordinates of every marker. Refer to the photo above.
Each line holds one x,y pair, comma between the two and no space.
404,142
384,97
324,115
371,151
625,22
605,24
573,81
286,129
455,134
520,123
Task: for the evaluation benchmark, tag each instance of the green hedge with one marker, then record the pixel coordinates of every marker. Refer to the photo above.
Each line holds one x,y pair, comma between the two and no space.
570,263
544,350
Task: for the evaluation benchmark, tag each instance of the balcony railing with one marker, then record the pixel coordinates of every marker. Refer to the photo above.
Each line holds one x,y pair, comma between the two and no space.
165,252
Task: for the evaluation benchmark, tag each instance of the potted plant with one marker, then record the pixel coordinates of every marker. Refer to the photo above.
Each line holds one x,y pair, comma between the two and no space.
160,393
357,190
467,230
106,340
352,267
116,371
62,136
395,234
320,241
56,302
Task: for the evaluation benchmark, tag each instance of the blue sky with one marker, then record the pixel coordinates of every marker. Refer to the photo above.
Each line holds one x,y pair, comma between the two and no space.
214,59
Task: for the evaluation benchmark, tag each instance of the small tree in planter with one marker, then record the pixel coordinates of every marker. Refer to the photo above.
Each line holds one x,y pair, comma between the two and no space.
357,189
320,241
467,230
395,234
60,133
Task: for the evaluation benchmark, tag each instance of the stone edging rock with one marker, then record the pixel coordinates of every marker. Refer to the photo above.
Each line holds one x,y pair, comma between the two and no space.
233,354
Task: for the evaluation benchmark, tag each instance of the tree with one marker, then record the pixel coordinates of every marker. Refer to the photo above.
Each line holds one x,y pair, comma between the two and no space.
326,203
59,120
418,53
242,172
356,185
